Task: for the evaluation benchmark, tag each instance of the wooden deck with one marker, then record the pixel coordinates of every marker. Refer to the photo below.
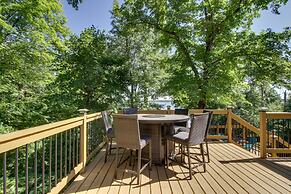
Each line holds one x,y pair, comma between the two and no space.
231,170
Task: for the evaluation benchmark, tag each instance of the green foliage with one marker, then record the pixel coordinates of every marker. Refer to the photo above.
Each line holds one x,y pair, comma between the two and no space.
144,63
210,44
257,96
89,76
144,59
31,35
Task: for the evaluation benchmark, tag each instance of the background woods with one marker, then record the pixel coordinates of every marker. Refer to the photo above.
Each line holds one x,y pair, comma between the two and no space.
202,53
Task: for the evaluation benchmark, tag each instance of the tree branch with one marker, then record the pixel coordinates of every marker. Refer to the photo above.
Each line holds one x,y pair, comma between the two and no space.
180,43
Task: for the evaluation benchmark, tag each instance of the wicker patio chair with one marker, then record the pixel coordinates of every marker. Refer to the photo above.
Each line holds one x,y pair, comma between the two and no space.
109,134
195,137
177,126
127,135
185,129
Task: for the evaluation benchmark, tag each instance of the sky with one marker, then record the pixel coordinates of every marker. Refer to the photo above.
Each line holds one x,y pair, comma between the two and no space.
97,13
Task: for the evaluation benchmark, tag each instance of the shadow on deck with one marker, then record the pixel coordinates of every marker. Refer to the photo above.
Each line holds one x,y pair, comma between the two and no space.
231,170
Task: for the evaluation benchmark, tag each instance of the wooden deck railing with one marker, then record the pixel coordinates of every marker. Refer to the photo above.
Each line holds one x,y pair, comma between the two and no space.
44,159
275,134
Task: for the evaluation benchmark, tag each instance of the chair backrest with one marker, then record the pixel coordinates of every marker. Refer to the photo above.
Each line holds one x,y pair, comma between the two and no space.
181,111
198,129
209,121
106,120
129,111
127,133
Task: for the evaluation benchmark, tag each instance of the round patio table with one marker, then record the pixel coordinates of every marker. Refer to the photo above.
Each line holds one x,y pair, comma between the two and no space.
156,126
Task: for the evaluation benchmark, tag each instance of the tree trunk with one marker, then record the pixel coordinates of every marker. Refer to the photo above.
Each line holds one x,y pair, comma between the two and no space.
202,101
131,96
202,104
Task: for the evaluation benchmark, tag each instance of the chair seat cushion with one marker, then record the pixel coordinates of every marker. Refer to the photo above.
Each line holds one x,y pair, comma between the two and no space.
183,129
181,137
176,129
144,140
110,133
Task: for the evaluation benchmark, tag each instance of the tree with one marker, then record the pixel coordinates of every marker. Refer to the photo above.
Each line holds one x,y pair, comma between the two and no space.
248,107
90,76
31,36
211,42
75,3
143,58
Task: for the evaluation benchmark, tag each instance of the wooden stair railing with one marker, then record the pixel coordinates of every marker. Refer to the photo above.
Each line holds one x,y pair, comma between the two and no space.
243,133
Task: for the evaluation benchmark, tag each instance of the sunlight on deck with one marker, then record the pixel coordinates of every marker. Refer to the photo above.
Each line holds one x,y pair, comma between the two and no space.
231,170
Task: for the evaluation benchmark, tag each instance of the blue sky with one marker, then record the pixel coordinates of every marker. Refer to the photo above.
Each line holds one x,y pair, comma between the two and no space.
97,13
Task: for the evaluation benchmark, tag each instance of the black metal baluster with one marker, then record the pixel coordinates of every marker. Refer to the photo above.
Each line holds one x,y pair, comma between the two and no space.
4,173
56,160
35,167
289,132
70,149
26,169
77,143
283,132
273,133
73,148
43,166
66,154
16,170
88,138
93,135
61,157
279,129
50,165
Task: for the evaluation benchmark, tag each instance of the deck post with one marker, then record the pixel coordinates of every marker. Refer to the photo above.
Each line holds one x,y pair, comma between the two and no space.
229,123
263,132
83,137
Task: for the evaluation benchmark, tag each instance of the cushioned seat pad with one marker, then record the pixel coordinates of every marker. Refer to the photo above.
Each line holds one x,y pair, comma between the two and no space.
179,137
144,140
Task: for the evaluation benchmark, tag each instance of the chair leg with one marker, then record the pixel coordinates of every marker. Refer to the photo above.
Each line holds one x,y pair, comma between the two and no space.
130,158
181,152
167,153
203,157
138,166
150,155
116,162
207,151
189,162
110,148
183,156
106,150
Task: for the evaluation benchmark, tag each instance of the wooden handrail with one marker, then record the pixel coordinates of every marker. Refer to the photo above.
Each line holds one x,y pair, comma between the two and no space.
245,123
22,137
215,111
278,115
30,131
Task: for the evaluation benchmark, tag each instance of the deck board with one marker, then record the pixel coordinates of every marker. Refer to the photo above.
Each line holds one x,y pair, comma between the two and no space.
231,170
273,186
253,176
